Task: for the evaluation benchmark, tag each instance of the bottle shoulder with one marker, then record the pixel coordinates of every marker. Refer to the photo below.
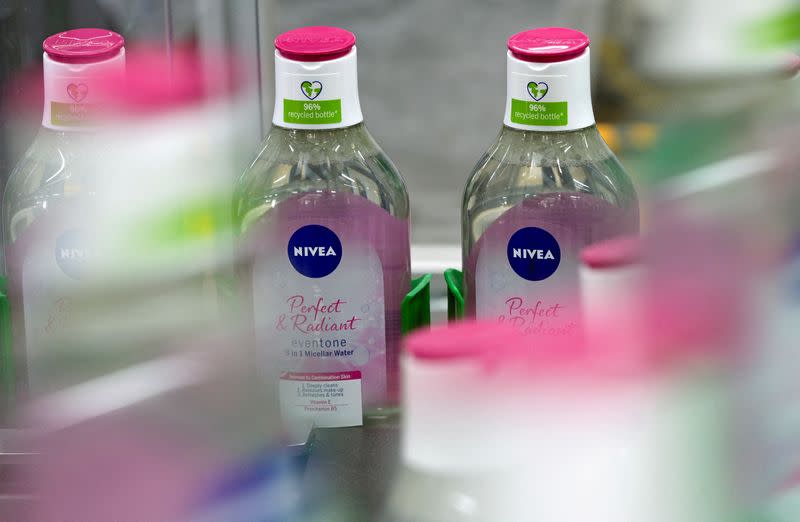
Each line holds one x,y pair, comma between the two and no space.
522,164
292,162
51,158
53,169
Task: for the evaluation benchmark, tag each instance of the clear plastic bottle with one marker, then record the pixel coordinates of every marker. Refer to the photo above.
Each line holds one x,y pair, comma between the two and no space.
547,187
43,249
324,214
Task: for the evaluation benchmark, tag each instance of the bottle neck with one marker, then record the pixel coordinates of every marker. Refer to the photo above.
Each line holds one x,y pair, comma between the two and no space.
549,97
316,95
76,93
320,137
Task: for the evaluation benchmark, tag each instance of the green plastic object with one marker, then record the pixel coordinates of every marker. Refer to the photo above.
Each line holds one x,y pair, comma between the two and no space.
455,294
416,307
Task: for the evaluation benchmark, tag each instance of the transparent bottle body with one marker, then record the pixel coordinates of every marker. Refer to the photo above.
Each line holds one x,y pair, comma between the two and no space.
52,172
522,166
296,165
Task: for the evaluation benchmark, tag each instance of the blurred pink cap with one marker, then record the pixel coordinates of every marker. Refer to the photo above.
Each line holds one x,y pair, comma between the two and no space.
463,340
614,253
315,43
496,346
155,81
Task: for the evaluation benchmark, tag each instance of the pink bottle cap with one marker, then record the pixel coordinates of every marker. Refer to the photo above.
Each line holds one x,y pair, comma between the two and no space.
495,346
548,44
614,253
315,44
83,45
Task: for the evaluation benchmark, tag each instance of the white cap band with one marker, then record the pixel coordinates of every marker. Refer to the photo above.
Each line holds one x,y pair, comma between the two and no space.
551,97
73,95
316,95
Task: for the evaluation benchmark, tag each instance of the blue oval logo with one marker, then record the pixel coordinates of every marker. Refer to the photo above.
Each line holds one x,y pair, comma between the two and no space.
315,251
72,254
533,253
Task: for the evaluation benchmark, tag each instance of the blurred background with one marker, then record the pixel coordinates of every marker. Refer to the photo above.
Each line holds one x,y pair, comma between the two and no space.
432,72
696,97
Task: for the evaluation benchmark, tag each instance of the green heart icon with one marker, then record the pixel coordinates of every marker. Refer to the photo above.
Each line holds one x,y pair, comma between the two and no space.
538,90
311,89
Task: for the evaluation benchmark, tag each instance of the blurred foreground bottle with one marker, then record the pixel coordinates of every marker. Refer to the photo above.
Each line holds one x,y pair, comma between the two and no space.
151,380
546,188
161,258
464,447
43,237
192,433
142,256
771,385
324,214
632,425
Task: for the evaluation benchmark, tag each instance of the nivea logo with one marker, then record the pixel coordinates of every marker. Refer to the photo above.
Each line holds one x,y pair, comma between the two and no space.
314,251
533,253
525,253
72,254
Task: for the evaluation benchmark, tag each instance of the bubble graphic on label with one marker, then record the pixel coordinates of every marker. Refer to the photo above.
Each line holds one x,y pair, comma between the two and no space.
314,251
279,280
360,356
533,253
498,281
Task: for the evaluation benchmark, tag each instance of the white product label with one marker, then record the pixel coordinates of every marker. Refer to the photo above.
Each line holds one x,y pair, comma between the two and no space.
523,280
331,399
320,321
